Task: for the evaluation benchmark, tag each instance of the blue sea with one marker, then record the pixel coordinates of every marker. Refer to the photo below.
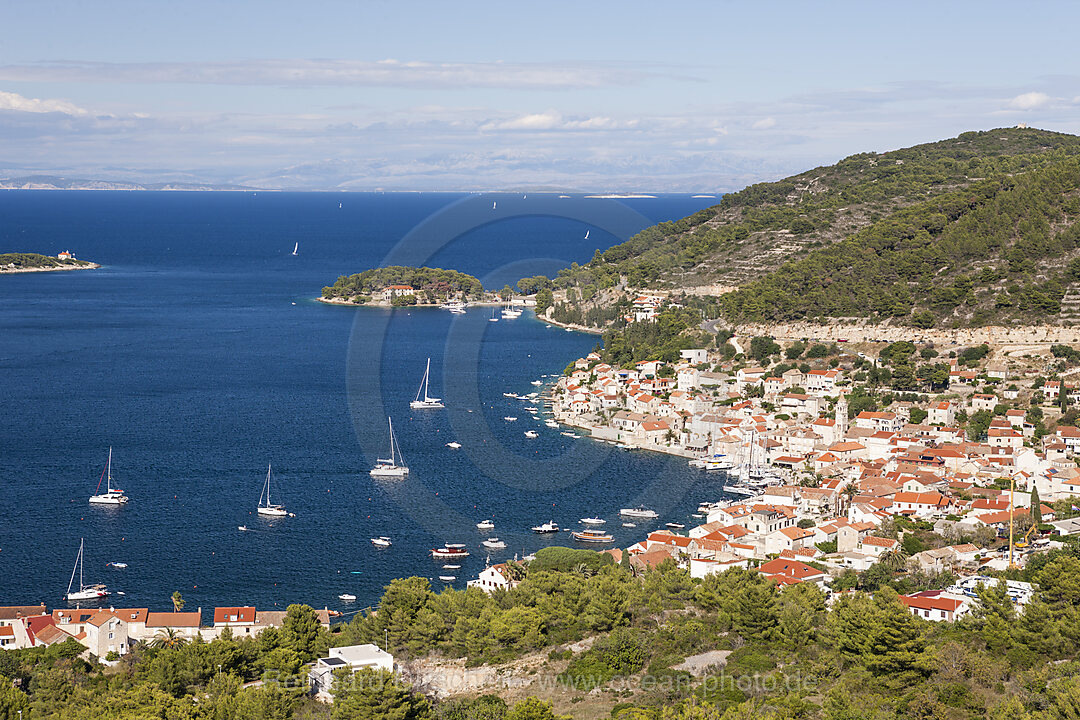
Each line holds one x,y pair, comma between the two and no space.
199,354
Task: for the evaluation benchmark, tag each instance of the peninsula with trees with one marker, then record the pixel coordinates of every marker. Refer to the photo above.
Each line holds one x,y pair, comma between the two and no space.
405,286
34,262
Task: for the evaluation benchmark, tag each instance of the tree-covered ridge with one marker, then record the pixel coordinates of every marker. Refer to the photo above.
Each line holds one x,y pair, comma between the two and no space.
432,283
994,248
751,234
21,261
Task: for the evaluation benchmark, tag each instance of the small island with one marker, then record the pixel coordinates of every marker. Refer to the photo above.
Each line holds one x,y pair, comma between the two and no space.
33,262
403,286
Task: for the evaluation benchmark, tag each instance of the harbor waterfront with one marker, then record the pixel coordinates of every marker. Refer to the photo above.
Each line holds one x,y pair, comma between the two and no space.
198,353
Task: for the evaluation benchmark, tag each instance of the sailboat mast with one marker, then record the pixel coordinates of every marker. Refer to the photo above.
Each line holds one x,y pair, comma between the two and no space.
76,567
427,372
108,472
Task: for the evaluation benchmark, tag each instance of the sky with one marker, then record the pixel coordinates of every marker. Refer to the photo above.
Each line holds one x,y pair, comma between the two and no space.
626,96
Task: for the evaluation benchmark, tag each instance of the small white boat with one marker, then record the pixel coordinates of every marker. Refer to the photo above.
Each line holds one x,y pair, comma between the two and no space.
347,597
390,467
268,508
639,512
494,543
448,578
592,521
118,565
675,526
551,424
485,525
537,382
509,418
547,528
85,592
629,524
111,496
381,541
455,445
493,318
428,403
570,434
451,567
569,330
242,528
510,395
531,434
592,536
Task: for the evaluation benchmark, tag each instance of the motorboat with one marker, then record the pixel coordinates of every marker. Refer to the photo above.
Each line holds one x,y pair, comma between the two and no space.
494,543
485,525
552,424
451,567
537,382
450,551
347,597
266,507
740,490
381,541
242,528
448,578
111,496
639,512
454,444
546,528
531,434
592,536
510,418
570,434
675,526
117,565
630,525
592,521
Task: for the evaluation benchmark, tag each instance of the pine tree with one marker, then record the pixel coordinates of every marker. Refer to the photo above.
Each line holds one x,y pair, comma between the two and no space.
1036,507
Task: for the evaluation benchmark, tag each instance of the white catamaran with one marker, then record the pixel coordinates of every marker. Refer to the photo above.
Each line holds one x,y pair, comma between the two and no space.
390,467
111,496
268,508
85,592
427,402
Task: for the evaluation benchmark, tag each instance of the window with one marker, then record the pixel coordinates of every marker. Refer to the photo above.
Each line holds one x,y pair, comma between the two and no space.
110,636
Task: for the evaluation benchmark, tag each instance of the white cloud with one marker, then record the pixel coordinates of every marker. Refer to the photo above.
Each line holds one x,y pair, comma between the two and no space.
553,120
15,101
291,72
1029,101
764,124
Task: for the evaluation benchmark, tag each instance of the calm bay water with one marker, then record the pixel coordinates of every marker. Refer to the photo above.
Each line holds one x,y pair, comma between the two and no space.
199,355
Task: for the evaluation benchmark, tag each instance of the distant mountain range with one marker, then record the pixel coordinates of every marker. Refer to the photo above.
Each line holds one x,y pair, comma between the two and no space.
56,182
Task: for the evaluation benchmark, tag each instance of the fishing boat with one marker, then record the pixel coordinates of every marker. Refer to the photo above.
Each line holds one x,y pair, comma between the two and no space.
531,434
428,403
592,536
639,512
485,525
381,541
546,528
111,496
592,521
494,543
455,445
450,551
85,592
390,467
266,507
347,597
296,246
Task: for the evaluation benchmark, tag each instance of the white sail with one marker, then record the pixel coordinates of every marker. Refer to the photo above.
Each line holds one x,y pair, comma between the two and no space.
296,248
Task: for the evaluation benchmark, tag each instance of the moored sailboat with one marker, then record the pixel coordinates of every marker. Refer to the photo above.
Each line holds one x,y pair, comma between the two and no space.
389,467
427,402
85,592
111,496
267,507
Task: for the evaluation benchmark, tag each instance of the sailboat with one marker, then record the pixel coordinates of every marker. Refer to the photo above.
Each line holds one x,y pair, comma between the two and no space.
586,234
493,318
427,402
390,468
111,496
296,247
85,592
268,508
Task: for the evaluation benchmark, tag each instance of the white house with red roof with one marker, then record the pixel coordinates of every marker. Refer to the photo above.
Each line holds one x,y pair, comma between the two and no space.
494,577
787,571
937,606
